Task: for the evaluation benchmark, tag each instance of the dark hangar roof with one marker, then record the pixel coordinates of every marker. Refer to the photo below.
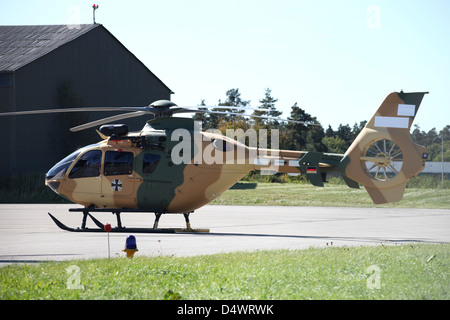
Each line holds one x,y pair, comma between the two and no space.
20,45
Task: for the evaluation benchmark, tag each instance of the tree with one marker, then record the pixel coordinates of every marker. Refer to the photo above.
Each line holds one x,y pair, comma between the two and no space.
433,141
358,128
295,137
420,137
435,151
213,120
335,144
314,138
202,116
345,133
234,99
446,132
329,132
267,108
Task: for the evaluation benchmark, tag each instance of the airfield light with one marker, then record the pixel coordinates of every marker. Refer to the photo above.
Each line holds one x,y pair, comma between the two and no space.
130,246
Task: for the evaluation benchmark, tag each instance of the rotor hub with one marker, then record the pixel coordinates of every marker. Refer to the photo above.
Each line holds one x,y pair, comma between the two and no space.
162,104
383,160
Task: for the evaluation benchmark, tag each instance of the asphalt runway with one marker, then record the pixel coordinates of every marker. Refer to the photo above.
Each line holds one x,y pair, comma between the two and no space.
28,235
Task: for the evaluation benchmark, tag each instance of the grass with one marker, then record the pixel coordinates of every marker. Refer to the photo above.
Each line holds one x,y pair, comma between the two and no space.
412,271
332,195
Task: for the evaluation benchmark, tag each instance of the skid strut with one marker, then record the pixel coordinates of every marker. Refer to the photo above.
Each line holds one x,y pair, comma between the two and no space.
120,227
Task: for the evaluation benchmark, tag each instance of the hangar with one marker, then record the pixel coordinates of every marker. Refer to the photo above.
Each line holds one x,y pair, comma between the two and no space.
61,66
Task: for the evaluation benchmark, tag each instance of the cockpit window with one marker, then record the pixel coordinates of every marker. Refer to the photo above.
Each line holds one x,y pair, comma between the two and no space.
118,163
87,166
59,170
150,162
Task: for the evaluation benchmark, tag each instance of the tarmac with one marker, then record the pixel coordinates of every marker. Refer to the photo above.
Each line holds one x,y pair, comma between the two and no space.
28,235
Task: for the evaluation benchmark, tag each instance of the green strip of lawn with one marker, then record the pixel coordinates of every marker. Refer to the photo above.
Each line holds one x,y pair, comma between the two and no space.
410,271
332,195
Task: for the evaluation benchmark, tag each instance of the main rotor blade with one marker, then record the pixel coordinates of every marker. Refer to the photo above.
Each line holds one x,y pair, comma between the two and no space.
108,120
253,116
223,107
87,109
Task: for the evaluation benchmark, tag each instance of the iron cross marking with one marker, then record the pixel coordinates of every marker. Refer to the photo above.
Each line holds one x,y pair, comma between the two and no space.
116,185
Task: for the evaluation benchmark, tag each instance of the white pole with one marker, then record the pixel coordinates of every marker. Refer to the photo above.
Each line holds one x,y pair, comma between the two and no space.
109,257
442,160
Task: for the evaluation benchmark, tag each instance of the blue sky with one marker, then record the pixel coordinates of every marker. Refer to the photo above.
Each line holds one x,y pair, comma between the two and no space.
337,59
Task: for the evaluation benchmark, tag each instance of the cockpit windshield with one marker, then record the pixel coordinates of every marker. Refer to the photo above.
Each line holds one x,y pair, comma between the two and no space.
59,170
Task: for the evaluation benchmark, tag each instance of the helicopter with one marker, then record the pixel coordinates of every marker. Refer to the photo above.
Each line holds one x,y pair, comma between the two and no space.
171,166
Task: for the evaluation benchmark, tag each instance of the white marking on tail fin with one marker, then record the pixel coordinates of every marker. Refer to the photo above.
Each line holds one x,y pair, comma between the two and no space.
391,122
408,110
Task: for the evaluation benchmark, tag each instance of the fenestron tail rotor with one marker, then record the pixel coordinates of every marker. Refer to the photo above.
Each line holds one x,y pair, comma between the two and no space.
383,160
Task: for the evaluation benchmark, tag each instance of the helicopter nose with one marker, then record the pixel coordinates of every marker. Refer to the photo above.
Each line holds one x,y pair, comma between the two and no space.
54,177
56,174
53,184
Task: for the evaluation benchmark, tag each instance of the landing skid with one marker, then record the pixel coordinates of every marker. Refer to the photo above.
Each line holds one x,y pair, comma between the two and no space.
119,227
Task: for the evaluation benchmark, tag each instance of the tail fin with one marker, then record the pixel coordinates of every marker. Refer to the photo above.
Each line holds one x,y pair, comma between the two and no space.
383,157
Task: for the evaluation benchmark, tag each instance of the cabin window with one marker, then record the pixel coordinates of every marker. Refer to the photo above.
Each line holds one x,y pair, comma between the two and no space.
87,166
150,162
118,163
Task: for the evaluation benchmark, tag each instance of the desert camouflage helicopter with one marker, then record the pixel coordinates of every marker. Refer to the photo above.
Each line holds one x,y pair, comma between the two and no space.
171,166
